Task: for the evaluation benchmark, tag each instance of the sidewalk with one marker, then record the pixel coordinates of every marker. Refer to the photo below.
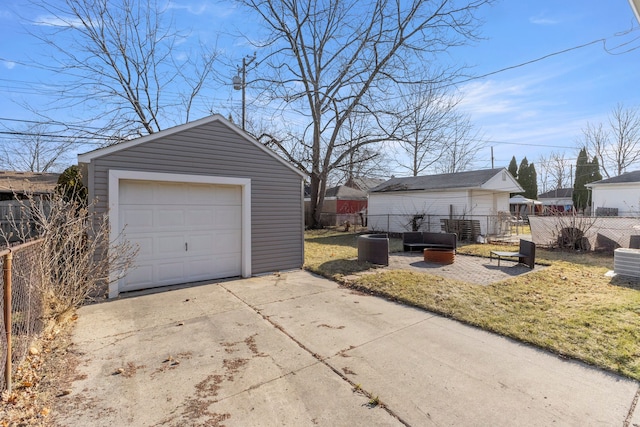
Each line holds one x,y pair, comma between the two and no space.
295,349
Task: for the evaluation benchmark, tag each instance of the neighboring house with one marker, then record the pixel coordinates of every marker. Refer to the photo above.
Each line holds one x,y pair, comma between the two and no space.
364,184
16,185
521,207
557,201
400,204
341,204
202,201
617,196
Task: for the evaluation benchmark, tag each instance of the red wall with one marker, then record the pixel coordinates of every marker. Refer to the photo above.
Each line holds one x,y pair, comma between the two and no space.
350,206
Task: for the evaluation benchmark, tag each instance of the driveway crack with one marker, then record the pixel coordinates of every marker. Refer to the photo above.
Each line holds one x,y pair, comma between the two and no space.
634,403
320,358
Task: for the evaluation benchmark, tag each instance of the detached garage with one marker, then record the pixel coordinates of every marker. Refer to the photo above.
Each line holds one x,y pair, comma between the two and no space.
201,201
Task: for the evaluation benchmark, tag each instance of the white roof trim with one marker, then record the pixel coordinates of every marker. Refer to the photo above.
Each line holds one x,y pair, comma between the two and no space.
88,157
612,184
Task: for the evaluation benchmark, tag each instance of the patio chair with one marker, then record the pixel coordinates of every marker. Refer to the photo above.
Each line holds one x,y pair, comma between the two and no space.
526,255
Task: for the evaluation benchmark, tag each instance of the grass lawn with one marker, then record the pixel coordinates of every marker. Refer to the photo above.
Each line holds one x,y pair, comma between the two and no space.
570,308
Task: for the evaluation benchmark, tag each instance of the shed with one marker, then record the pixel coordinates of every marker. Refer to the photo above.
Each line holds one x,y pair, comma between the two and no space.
557,201
522,207
401,204
620,194
202,201
341,203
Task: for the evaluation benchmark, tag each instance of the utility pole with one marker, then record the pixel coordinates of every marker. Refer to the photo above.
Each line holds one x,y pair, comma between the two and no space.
240,82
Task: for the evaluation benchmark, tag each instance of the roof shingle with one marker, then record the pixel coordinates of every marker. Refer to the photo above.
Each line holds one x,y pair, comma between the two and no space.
469,179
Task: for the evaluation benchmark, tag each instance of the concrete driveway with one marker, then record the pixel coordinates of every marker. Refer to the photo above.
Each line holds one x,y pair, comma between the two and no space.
295,349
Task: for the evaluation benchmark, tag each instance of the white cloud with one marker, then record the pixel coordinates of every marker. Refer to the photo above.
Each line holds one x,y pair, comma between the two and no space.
194,9
9,64
543,20
54,21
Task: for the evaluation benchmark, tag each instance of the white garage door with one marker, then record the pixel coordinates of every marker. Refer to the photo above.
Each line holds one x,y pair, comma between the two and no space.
185,232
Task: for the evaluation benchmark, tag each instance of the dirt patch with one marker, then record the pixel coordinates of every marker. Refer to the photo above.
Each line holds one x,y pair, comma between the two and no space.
42,382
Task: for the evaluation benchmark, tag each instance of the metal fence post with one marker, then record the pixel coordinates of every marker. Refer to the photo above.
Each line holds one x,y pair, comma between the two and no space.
7,316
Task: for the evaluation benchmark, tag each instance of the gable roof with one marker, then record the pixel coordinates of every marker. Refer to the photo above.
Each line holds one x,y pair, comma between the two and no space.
87,157
446,181
345,193
625,178
558,193
364,184
25,182
341,192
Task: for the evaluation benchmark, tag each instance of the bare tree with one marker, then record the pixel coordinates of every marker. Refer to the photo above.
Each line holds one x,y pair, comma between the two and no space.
426,116
361,161
596,140
122,60
618,147
625,137
555,171
331,59
461,145
36,149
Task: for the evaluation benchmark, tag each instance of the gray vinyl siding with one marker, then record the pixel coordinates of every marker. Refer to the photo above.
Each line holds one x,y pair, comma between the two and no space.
214,149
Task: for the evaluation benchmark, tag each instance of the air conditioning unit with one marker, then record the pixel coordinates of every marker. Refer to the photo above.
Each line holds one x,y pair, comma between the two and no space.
626,262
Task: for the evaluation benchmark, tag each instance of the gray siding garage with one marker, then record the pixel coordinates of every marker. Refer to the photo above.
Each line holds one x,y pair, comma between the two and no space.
201,201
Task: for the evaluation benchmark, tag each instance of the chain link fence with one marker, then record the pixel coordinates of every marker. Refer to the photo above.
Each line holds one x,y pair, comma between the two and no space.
22,306
468,227
585,232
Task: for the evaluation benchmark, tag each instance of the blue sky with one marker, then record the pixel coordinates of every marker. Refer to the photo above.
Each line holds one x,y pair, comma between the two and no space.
526,111
543,106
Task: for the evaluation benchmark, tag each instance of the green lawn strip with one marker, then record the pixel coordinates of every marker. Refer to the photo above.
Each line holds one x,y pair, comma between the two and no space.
569,308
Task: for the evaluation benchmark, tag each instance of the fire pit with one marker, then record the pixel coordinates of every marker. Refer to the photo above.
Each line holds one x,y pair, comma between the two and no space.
439,255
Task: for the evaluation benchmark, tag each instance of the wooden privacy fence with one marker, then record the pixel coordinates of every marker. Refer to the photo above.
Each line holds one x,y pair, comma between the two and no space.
22,305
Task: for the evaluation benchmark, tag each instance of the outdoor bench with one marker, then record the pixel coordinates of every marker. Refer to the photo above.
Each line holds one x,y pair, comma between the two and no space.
526,255
417,240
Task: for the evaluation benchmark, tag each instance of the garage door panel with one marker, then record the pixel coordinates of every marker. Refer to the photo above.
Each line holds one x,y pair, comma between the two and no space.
169,273
226,265
136,192
144,244
227,242
185,232
228,195
201,217
200,194
169,216
172,194
228,217
170,244
139,276
200,244
137,217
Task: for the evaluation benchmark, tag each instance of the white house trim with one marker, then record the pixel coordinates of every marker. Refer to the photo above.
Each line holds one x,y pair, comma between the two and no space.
114,205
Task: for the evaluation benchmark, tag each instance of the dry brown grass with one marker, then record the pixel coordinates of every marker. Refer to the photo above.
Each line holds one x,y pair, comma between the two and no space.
570,308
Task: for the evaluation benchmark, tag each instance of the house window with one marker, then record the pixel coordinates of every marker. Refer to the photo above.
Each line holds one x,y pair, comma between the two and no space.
504,176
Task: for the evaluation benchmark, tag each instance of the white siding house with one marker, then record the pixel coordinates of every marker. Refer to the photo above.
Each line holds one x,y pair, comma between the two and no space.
621,192
396,204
